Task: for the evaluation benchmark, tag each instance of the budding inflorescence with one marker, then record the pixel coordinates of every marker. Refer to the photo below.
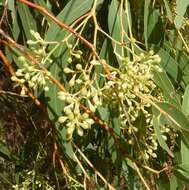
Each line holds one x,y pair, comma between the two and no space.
73,117
31,75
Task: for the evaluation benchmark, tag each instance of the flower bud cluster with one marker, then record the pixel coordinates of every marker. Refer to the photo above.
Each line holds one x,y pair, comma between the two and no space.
82,88
38,47
74,54
31,76
133,80
73,118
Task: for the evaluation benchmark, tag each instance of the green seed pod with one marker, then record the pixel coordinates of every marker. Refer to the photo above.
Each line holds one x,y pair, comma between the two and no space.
71,129
72,81
85,125
76,109
23,92
62,119
22,81
83,91
34,78
31,84
46,88
69,60
14,78
19,72
77,56
71,116
69,99
89,121
78,81
22,59
154,155
85,115
79,131
79,67
68,70
67,110
27,76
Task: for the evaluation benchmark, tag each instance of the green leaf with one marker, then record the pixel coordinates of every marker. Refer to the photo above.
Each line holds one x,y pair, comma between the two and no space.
146,14
15,28
184,153
117,23
181,6
156,125
183,171
72,11
173,182
168,63
175,117
168,10
185,103
104,113
55,106
163,81
4,151
28,22
155,27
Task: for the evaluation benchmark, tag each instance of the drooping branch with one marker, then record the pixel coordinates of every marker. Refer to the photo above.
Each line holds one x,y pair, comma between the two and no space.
71,30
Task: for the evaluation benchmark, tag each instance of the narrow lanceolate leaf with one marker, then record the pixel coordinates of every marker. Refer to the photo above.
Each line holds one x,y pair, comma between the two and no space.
168,63
156,125
175,118
163,81
28,22
168,11
184,153
185,103
72,11
181,6
183,170
118,24
15,28
146,14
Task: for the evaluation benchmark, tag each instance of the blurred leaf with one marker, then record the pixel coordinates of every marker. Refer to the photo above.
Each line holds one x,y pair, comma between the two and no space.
184,153
176,118
104,113
72,11
156,125
185,103
168,63
15,28
155,27
168,10
27,20
115,18
146,14
4,151
181,6
183,171
173,182
162,80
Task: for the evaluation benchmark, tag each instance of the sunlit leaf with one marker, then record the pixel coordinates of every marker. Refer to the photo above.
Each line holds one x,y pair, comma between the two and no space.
181,6
146,14
176,118
156,125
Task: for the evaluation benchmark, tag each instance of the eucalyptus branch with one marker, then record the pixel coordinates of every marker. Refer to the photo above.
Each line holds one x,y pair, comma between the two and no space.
71,30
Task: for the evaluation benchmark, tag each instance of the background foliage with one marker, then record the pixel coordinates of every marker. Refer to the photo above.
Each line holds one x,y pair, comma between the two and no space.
107,111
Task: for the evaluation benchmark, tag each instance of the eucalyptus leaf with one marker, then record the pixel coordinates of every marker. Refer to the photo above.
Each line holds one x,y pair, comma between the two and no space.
185,103
181,6
156,125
